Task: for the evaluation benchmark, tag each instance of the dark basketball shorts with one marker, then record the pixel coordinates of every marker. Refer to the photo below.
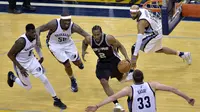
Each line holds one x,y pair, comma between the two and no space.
107,69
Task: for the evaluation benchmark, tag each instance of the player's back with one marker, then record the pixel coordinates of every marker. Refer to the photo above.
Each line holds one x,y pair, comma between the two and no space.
60,36
155,22
103,49
143,99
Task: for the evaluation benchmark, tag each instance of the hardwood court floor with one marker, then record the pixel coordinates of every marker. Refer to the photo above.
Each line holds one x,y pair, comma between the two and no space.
169,70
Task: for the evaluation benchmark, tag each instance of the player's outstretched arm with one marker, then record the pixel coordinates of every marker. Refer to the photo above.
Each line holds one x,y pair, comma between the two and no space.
163,87
116,44
127,91
52,25
76,28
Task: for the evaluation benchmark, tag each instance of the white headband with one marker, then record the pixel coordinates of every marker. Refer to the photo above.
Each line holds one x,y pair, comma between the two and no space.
65,17
133,10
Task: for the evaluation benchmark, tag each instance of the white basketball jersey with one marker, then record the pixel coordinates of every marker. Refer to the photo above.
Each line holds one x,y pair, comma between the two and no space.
61,36
143,98
155,22
26,54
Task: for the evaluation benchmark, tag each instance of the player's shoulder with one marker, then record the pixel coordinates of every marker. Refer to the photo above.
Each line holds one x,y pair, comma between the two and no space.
20,40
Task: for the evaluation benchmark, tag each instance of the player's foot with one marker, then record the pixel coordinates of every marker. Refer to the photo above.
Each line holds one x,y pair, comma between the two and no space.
58,103
128,76
74,86
11,78
118,108
187,57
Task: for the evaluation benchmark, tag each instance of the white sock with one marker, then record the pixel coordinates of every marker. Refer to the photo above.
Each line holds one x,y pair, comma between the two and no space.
19,82
47,85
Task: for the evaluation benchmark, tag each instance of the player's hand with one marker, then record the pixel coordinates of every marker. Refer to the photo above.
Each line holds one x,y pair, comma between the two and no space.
133,61
83,55
41,60
23,72
191,101
91,108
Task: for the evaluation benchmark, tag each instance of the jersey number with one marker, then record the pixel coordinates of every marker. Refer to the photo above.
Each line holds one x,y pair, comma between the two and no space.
61,39
144,102
30,52
102,55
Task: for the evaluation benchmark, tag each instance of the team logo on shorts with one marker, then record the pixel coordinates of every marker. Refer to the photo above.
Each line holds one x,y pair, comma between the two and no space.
39,69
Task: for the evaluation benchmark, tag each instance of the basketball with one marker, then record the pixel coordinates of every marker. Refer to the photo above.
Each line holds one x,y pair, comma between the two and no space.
124,66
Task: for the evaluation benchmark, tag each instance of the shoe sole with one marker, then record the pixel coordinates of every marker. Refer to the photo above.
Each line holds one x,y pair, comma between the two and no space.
74,90
118,110
9,81
62,108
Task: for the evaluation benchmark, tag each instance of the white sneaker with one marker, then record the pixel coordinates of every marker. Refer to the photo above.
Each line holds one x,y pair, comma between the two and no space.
118,108
187,57
129,76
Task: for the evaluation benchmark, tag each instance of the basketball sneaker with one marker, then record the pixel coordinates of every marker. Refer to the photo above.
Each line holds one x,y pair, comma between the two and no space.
74,86
187,57
118,108
11,78
58,103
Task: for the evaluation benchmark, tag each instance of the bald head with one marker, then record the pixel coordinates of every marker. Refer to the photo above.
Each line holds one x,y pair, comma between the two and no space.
134,7
134,11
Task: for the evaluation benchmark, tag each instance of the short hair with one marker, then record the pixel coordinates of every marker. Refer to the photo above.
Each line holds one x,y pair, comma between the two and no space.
30,26
96,27
65,13
138,76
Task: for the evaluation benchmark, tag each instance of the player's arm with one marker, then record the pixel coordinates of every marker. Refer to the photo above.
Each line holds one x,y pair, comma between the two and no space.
127,91
45,27
142,24
116,44
39,52
16,48
85,44
163,87
76,28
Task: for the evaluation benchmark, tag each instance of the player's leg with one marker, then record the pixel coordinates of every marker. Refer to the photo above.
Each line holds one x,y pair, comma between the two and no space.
62,55
103,74
157,47
38,71
69,71
20,80
184,55
78,62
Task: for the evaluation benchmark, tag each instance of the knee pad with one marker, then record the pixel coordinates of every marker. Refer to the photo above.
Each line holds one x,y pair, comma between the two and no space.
43,78
81,66
132,49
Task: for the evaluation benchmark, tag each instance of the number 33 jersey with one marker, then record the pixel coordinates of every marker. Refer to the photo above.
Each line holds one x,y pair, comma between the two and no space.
103,49
143,98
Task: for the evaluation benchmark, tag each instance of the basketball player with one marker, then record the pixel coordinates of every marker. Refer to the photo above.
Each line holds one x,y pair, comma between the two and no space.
25,63
61,45
149,37
141,95
105,47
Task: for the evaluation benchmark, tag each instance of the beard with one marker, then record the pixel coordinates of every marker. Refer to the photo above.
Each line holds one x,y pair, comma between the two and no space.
135,17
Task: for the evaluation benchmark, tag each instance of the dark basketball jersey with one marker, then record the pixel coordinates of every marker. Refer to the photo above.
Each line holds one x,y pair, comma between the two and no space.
103,50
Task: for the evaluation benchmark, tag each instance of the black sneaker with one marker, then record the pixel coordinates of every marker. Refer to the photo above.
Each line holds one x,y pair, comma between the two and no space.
59,104
14,11
11,78
74,86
